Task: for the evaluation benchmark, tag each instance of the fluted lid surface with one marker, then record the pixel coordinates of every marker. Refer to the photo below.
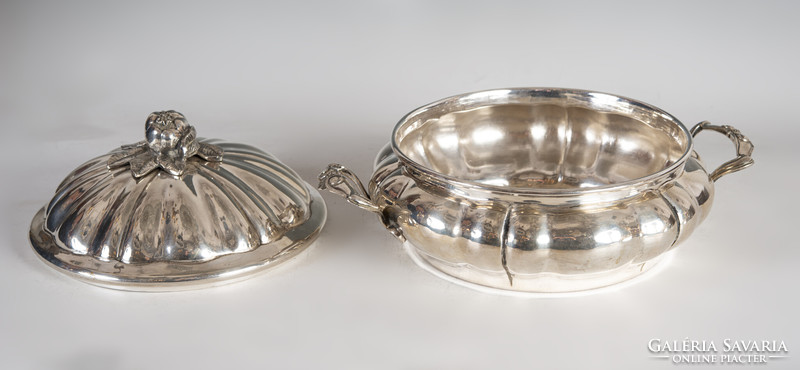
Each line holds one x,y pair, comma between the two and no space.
175,211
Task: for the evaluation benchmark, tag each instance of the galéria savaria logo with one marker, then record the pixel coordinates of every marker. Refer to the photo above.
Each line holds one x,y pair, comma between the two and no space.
727,351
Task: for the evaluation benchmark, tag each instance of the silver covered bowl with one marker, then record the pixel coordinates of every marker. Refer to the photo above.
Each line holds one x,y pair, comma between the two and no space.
175,212
540,190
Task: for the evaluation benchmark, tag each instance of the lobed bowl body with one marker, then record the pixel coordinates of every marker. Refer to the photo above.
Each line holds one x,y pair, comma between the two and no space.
539,190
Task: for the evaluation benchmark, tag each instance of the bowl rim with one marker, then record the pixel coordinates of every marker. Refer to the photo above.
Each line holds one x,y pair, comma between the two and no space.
474,185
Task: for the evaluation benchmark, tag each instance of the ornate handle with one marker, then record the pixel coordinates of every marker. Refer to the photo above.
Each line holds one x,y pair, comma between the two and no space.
339,180
744,148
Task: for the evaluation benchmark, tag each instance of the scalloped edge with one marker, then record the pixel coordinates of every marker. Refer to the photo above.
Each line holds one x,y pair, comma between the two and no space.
301,238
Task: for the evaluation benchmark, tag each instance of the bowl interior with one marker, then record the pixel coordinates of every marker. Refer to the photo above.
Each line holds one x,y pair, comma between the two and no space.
547,138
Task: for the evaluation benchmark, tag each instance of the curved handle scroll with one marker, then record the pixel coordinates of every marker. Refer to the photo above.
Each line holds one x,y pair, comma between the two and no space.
744,148
339,180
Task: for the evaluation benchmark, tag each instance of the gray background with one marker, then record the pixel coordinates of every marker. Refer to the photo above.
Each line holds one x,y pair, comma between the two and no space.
316,82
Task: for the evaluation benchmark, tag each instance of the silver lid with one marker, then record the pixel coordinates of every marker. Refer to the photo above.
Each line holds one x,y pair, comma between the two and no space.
175,212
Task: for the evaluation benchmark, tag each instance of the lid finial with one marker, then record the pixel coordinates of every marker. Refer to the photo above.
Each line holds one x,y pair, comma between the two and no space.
169,142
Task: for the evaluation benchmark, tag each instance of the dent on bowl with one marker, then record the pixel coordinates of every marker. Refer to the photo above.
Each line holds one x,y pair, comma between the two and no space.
540,190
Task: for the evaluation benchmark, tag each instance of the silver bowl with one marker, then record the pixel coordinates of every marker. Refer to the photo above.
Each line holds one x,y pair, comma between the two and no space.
539,189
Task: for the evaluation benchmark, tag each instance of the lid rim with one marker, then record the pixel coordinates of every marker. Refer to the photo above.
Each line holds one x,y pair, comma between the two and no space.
297,240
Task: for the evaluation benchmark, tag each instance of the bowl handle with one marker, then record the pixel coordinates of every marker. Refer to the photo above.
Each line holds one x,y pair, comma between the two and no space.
744,148
339,180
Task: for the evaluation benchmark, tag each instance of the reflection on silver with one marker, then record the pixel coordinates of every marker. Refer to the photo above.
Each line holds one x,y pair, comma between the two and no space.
170,142
176,212
540,190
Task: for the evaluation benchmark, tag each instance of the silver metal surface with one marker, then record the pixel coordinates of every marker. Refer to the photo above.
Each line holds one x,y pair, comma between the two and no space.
540,190
744,148
176,212
170,142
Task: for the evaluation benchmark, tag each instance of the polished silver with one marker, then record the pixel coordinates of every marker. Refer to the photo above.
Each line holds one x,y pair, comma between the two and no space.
171,141
176,212
744,148
540,190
